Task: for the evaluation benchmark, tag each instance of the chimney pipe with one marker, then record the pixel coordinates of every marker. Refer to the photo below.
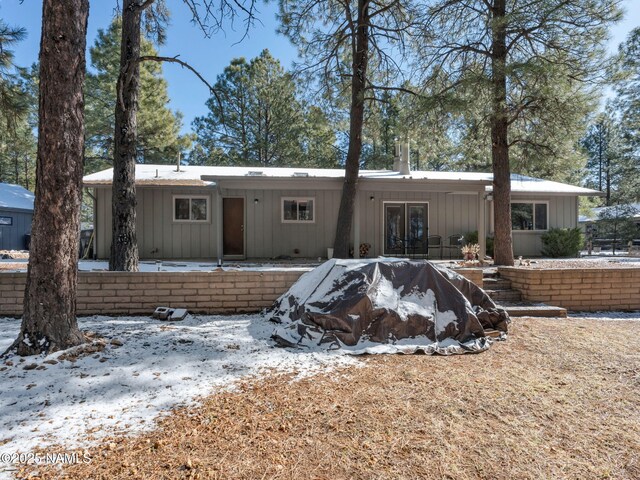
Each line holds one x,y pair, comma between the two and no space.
404,159
178,163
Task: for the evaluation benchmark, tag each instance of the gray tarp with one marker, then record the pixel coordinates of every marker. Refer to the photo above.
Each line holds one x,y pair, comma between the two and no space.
386,306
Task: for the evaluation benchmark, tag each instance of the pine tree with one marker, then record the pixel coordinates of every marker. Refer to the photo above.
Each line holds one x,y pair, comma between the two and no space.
318,140
255,117
514,53
49,320
352,47
159,139
627,102
11,97
209,16
602,147
17,117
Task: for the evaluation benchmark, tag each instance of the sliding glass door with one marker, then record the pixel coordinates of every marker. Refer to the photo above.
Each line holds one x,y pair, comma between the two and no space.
406,227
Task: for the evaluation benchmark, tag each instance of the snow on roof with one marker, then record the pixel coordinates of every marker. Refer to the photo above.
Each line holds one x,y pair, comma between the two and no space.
15,197
155,175
524,184
202,176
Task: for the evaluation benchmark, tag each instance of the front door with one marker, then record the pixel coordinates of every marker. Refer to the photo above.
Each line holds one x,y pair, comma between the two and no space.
406,228
233,227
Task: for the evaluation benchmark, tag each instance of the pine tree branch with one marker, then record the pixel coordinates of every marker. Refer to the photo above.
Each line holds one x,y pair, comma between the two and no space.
156,58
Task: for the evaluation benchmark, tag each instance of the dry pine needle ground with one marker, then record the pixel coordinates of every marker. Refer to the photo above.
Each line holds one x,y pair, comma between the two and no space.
559,399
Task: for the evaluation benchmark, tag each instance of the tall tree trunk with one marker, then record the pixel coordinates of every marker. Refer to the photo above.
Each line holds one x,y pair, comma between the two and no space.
124,245
608,173
49,319
26,171
600,159
356,120
503,249
16,167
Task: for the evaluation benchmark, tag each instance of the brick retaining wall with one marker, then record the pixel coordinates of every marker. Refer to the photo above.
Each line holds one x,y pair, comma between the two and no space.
588,289
142,292
199,292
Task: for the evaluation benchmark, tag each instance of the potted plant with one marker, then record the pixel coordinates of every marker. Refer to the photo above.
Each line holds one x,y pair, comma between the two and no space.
470,251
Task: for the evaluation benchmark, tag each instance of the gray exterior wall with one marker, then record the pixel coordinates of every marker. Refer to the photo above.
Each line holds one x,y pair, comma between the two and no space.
12,237
563,213
158,235
267,237
449,213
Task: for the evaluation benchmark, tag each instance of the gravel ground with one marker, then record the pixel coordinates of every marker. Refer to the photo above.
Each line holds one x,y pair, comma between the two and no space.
585,262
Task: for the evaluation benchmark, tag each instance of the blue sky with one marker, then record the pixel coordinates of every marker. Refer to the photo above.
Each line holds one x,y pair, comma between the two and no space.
208,56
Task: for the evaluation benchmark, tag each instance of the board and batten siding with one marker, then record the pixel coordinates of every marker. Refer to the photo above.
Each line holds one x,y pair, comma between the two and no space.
12,236
562,213
158,235
266,236
449,214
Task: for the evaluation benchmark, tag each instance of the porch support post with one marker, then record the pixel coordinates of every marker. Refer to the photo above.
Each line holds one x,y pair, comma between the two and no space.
356,227
482,224
219,222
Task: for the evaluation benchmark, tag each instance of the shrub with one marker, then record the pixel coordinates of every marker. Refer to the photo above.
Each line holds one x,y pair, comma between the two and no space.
562,242
472,237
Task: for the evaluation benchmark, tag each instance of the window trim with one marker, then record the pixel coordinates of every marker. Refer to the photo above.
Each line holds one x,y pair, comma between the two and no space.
534,203
298,221
191,197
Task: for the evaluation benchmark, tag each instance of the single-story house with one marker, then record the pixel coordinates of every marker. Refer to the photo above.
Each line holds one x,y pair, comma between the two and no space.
210,212
16,213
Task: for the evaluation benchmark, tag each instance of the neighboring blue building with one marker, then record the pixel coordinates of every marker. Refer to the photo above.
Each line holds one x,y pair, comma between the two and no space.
16,212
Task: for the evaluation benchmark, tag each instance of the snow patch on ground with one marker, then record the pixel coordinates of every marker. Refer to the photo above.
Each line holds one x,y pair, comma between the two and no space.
124,388
168,266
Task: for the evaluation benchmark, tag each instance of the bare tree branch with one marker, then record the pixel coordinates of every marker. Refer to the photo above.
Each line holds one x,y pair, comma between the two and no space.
155,58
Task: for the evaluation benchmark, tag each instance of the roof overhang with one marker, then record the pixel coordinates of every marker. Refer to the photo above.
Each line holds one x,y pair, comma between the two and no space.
151,183
274,178
15,210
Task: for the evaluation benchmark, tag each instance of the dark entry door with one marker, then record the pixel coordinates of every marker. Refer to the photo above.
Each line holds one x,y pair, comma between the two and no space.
233,227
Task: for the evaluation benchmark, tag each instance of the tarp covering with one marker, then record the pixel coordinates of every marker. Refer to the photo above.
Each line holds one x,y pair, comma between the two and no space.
386,306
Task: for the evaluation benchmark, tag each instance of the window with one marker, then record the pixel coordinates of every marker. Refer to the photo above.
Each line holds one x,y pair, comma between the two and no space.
190,209
6,221
529,216
298,210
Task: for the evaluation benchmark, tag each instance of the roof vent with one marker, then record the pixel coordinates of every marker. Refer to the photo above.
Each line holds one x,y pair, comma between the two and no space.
255,173
300,174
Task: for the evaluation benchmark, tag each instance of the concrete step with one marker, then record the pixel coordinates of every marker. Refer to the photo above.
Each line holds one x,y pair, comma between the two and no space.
535,311
490,273
506,295
493,283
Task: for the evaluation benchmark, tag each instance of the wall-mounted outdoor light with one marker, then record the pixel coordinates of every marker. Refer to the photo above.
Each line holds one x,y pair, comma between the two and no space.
256,201
372,198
